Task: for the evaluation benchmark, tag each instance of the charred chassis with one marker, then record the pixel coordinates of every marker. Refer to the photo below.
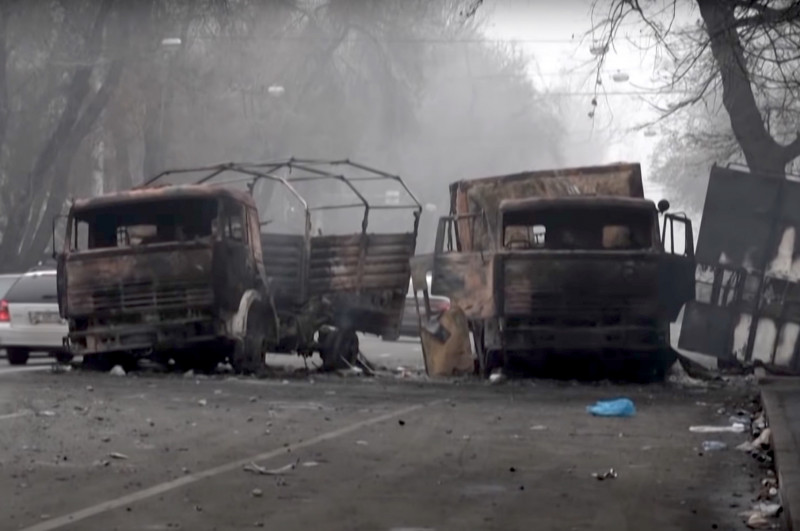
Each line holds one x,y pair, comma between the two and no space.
183,268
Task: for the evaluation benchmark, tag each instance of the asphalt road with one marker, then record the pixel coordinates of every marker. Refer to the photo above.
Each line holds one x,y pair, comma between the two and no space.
89,451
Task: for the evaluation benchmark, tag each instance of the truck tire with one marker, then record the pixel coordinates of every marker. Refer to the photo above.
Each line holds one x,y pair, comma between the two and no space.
248,351
339,349
17,356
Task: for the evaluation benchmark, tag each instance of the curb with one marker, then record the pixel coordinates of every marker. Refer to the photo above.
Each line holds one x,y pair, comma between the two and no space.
787,459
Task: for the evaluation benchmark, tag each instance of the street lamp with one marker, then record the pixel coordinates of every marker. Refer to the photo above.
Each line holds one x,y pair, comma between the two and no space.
620,77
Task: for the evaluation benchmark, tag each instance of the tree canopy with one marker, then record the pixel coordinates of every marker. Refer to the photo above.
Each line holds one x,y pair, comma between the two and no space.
105,93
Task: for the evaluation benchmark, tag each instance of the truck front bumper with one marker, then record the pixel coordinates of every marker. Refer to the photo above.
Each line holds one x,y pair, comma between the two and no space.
164,335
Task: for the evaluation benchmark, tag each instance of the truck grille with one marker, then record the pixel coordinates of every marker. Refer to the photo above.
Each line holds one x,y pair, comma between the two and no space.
558,310
141,296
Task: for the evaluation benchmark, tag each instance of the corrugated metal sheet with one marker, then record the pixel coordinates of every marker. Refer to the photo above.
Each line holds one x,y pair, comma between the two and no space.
283,263
366,262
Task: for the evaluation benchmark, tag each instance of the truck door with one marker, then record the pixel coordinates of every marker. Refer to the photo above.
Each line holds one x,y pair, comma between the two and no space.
464,277
677,265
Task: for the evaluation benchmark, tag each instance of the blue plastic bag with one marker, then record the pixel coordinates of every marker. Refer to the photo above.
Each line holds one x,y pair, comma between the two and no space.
619,407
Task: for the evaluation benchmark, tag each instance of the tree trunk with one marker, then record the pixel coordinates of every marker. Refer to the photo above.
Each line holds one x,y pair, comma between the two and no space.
4,15
763,154
40,179
60,185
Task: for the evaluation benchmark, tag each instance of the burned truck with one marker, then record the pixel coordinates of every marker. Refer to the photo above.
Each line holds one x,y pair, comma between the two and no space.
561,268
232,261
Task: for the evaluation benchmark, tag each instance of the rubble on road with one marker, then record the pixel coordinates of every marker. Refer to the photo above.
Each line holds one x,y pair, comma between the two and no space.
117,370
609,474
497,377
763,441
710,446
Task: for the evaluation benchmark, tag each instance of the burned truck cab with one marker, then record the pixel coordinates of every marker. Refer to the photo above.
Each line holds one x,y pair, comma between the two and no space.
579,275
161,267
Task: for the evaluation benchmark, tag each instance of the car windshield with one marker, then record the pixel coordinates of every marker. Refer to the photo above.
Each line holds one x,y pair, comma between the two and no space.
144,223
34,288
579,228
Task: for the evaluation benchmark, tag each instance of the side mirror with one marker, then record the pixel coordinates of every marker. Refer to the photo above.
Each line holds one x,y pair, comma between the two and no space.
663,206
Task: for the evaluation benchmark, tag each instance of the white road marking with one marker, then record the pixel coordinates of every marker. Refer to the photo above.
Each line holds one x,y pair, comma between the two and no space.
15,415
110,505
14,370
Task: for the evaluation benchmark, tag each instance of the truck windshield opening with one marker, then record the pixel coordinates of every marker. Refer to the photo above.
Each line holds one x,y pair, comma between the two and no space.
578,229
144,223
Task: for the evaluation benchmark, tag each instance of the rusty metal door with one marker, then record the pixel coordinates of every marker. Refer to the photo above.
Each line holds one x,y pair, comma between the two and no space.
465,277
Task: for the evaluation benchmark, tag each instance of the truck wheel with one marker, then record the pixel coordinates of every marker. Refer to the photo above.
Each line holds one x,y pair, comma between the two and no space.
339,349
17,356
248,352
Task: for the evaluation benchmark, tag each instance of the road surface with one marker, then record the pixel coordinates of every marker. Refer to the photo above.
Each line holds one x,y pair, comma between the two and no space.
88,451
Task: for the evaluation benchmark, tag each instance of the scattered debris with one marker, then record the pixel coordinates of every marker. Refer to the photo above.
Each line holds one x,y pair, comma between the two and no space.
150,422
257,493
117,455
60,368
117,370
106,439
362,443
734,428
497,377
401,422
47,413
609,474
217,391
189,374
310,464
539,427
758,521
679,376
253,399
257,469
89,388
351,371
619,407
224,368
203,402
759,423
710,446
740,418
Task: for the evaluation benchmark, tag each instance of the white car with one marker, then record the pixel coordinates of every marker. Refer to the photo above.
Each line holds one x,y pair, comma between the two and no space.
29,318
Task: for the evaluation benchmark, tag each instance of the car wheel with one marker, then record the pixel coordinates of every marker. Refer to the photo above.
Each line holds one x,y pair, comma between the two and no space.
62,356
17,356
